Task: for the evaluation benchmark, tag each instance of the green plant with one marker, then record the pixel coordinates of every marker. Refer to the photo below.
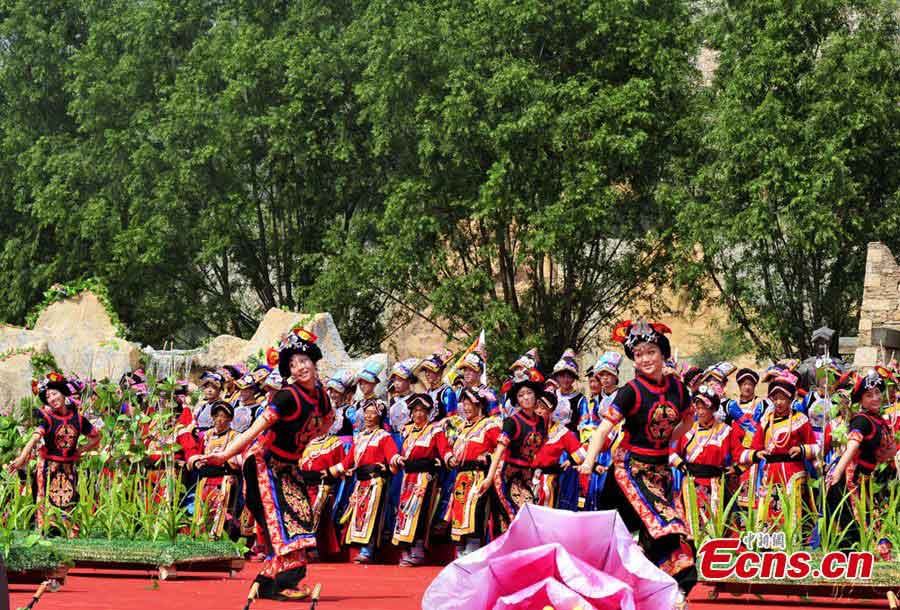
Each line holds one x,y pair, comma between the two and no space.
864,506
17,506
11,439
793,516
719,523
831,534
43,363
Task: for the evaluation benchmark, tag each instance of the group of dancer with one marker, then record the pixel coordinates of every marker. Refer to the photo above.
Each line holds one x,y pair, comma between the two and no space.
315,465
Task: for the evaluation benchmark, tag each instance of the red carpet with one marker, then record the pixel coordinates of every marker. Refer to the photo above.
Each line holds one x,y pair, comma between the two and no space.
344,586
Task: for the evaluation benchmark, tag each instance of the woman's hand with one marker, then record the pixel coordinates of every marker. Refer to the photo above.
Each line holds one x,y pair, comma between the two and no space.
795,452
834,477
585,468
215,459
15,465
192,461
600,469
453,462
485,486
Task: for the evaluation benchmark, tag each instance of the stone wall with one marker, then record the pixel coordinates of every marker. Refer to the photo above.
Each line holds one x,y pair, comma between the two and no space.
880,303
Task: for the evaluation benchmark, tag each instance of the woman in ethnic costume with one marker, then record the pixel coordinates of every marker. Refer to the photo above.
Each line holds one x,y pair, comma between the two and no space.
230,376
275,491
341,386
319,456
524,433
605,382
555,481
424,452
570,402
870,442
654,411
603,379
133,385
706,452
784,439
248,402
367,379
524,363
215,497
400,383
472,368
212,384
370,459
744,414
442,394
468,509
60,427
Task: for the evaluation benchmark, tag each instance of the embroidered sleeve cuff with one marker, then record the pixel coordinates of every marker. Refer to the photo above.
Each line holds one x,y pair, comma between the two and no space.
271,413
855,435
447,456
337,469
675,460
613,414
747,456
503,439
578,456
395,460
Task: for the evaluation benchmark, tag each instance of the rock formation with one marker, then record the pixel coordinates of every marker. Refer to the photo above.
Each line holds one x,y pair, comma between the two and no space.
80,335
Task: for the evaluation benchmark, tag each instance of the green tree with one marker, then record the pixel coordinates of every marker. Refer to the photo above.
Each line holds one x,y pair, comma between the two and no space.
193,155
526,143
795,166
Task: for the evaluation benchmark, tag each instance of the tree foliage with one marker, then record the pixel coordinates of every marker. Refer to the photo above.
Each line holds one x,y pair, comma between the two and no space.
796,165
526,142
532,168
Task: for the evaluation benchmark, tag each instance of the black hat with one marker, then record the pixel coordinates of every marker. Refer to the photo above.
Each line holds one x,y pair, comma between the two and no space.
527,379
630,334
708,395
221,405
53,381
298,341
691,374
233,371
379,406
479,396
786,382
212,378
421,401
871,380
746,373
550,399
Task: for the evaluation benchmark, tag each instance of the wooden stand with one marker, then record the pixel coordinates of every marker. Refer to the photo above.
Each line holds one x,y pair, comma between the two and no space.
813,594
171,572
4,588
36,577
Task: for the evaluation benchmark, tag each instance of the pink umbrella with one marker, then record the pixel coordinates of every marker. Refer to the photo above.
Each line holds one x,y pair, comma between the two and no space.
559,558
